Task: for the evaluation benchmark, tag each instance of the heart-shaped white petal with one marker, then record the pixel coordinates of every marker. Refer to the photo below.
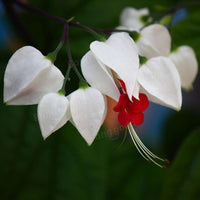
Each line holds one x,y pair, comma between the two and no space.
87,108
120,54
53,113
25,64
186,63
48,80
29,76
154,40
131,18
98,76
160,79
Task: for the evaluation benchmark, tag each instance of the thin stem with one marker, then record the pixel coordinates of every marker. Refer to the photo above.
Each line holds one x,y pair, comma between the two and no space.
38,11
52,55
71,62
88,29
94,29
61,20
65,80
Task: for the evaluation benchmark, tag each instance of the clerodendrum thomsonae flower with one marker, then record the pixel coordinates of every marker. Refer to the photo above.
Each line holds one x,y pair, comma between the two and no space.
112,68
150,78
107,67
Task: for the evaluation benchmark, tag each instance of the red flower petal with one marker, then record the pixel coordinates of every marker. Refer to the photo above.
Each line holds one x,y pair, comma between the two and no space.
131,111
137,118
138,106
123,100
123,118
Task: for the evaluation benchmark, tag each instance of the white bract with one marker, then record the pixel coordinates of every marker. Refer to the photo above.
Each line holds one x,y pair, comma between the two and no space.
160,81
53,113
99,76
85,108
30,75
186,63
132,19
154,40
119,53
88,108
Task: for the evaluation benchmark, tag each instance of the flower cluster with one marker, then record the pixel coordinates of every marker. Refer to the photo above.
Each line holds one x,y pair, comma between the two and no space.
131,69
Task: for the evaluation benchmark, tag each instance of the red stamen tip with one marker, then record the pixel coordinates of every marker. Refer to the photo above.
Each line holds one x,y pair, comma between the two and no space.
164,167
149,161
167,161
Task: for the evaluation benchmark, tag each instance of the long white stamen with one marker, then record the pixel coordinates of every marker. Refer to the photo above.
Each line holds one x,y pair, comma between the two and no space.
147,150
138,147
143,150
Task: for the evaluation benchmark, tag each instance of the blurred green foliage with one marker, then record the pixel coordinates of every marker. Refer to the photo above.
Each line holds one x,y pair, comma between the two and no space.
63,166
182,182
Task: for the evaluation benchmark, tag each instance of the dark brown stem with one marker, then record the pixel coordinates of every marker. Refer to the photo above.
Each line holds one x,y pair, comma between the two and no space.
38,11
88,28
71,62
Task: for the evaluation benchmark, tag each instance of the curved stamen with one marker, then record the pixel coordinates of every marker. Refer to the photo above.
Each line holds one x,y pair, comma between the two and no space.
143,150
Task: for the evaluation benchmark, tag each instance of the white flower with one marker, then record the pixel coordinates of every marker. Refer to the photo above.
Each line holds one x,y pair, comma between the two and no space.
154,40
85,108
29,76
186,63
158,78
131,18
119,53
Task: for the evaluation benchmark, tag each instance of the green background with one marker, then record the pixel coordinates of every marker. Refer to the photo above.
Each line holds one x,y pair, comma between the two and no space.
64,167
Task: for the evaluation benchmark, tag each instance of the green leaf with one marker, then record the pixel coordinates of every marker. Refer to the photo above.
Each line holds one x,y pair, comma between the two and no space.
182,181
